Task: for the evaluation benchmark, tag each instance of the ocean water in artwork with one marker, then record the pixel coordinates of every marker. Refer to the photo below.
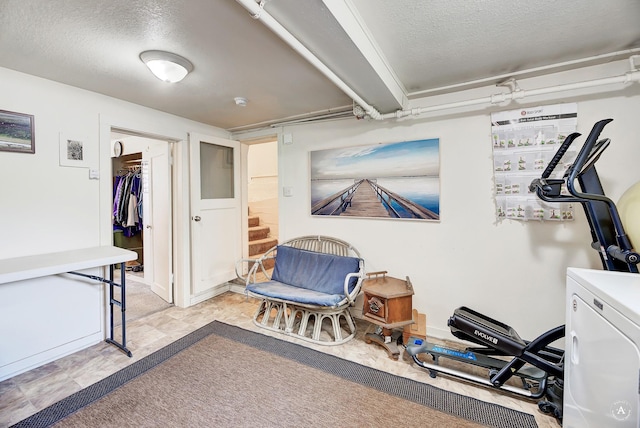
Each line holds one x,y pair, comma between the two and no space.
424,191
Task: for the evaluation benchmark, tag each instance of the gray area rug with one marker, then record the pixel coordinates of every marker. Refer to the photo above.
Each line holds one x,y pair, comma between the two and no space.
221,375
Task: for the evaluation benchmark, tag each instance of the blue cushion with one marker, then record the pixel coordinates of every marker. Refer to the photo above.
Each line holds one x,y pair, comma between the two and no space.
324,273
278,290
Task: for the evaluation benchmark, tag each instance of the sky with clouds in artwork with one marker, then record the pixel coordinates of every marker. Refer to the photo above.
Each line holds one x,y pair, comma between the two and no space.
405,159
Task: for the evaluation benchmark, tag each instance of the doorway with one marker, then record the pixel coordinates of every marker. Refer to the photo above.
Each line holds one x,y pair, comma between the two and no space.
141,219
262,197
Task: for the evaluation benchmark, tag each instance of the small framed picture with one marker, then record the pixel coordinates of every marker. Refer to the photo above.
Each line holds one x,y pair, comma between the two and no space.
73,151
16,132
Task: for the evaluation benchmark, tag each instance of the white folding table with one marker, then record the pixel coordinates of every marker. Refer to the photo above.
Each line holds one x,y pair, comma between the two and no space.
35,266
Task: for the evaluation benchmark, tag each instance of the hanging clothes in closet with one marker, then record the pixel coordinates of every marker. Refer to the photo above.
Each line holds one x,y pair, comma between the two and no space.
127,203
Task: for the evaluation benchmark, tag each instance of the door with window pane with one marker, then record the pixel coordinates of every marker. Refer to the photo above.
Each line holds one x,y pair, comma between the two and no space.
215,212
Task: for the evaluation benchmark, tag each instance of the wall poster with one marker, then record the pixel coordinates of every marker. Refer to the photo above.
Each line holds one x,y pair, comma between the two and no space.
394,181
524,141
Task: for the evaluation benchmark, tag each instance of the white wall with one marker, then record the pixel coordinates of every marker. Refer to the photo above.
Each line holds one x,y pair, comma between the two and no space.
48,208
512,271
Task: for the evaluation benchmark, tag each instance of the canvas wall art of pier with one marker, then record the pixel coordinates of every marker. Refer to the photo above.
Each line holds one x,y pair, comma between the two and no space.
393,180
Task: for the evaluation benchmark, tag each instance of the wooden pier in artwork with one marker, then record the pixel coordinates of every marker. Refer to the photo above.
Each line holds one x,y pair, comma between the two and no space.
365,198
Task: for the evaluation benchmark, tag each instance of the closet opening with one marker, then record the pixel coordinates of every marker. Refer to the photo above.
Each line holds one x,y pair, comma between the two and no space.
128,220
141,219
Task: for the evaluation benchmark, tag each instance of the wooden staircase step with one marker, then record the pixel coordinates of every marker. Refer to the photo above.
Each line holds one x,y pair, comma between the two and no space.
258,232
254,220
260,246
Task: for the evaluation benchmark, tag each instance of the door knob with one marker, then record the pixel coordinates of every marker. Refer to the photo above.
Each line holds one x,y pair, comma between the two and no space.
197,218
148,226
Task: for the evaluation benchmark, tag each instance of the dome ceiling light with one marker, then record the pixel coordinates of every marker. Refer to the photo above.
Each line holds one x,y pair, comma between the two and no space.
167,66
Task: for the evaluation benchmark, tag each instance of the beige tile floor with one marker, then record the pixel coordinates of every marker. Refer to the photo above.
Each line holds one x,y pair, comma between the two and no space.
32,391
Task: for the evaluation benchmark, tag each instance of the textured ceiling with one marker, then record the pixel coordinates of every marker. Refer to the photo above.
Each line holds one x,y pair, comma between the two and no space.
458,41
386,51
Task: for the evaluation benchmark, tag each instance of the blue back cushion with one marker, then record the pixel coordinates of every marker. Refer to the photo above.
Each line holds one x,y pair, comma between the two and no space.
314,271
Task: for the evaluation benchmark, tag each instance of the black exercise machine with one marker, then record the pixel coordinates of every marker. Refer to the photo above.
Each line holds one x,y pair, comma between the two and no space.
607,231
537,365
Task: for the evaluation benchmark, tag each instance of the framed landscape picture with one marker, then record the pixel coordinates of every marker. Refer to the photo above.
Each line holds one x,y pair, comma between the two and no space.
393,180
16,132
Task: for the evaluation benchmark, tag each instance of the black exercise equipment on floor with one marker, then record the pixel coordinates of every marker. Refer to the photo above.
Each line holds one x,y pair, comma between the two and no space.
503,354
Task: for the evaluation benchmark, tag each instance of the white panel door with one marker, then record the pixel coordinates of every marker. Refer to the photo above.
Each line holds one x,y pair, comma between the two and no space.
157,242
215,210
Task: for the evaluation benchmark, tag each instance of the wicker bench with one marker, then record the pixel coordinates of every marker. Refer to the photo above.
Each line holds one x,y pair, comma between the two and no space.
315,280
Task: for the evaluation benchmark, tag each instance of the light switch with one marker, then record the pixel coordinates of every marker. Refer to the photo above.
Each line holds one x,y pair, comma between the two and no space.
287,191
94,174
287,139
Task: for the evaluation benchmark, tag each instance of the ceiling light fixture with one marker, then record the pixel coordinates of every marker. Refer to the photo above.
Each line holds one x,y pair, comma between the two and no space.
240,101
167,66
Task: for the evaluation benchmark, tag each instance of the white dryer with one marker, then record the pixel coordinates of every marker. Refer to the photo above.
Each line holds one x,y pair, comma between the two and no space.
602,349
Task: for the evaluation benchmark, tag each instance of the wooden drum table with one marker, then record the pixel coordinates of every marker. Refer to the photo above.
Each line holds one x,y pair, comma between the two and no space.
387,304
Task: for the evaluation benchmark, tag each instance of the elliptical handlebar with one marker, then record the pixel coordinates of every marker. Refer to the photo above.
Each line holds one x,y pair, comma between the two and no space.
613,244
584,155
561,151
549,189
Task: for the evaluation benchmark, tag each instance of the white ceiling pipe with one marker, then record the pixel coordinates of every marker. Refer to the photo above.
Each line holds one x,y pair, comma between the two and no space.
537,70
632,76
336,115
257,12
629,77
